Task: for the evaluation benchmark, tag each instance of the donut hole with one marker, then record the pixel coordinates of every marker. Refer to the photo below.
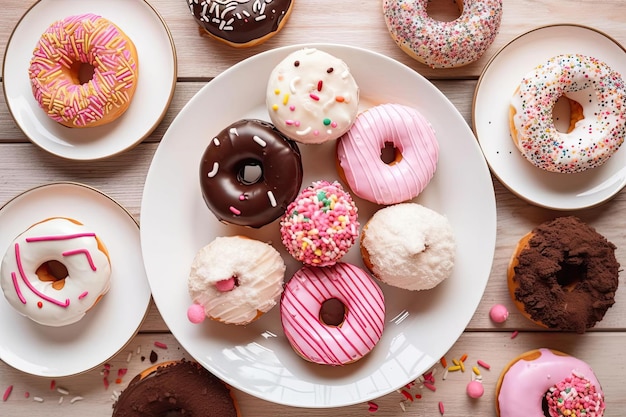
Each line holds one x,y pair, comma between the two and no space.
444,11
332,312
52,271
571,274
82,72
566,113
389,154
250,172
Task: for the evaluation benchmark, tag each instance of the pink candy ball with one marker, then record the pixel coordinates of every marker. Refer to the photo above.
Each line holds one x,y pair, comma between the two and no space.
498,313
195,313
475,389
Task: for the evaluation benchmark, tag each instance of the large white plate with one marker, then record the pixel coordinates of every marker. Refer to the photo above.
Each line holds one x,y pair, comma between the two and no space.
257,358
501,76
155,88
109,326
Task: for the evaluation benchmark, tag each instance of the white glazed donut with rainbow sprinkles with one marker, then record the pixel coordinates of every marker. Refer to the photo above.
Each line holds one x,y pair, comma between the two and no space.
440,44
598,114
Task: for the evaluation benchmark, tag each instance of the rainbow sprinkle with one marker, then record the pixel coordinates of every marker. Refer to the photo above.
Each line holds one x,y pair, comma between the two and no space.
575,396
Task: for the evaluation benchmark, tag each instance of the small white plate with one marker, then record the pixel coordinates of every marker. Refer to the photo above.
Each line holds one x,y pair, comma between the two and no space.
495,87
257,359
155,87
109,326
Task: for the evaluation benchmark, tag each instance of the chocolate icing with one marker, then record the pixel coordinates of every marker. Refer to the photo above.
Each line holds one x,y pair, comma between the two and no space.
247,21
232,199
180,388
567,276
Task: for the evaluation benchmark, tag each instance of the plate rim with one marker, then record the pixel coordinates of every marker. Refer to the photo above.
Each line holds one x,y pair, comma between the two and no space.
88,188
474,126
130,145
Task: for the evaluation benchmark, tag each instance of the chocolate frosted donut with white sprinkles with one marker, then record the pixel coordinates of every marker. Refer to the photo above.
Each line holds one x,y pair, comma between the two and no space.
241,23
249,173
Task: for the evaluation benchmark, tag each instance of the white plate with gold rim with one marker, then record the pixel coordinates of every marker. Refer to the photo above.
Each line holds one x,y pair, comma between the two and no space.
155,86
113,321
490,115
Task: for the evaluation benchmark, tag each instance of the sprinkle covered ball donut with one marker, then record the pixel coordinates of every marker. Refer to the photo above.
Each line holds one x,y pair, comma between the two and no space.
241,23
332,315
249,173
598,118
416,152
441,44
549,383
55,271
84,71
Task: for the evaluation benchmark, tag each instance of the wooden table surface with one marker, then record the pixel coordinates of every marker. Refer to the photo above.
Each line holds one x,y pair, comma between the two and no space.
23,166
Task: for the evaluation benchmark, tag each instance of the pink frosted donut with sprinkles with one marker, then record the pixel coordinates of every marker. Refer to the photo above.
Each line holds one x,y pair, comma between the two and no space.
83,71
332,315
416,152
55,271
546,382
312,97
596,94
320,225
440,44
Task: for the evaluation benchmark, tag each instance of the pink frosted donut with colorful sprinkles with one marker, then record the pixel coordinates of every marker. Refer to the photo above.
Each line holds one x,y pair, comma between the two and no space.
320,225
333,315
598,119
441,44
84,70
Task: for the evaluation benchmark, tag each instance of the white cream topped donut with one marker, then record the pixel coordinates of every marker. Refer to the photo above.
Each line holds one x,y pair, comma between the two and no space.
594,136
416,154
409,246
33,261
312,97
332,315
235,280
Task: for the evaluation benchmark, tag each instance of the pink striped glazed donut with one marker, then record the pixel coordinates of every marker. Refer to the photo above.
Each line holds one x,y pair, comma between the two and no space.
332,315
416,154
55,271
443,44
63,60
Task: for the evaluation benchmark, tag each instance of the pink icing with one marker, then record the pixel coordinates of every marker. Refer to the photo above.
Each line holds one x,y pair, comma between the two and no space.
368,176
332,345
535,378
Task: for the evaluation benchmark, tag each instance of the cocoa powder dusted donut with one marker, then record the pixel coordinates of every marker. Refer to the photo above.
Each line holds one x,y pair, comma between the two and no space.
241,23
249,173
564,275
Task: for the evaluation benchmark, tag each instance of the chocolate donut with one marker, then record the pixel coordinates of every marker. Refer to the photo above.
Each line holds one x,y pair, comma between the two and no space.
235,195
176,388
241,23
564,275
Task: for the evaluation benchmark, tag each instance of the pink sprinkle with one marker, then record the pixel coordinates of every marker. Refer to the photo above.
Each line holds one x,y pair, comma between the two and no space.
406,394
483,364
373,407
7,392
242,197
105,381
314,97
26,394
319,85
83,295
160,345
53,384
430,386
441,407
292,108
514,334
122,371
234,211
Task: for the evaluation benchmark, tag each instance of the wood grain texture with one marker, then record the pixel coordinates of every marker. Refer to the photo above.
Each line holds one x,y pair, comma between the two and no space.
358,23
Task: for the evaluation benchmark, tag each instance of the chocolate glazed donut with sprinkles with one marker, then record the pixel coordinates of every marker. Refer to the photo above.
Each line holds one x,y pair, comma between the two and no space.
249,173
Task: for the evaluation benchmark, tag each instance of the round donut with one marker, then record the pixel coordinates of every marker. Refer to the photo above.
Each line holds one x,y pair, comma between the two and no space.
553,384
249,173
332,315
84,71
598,122
563,275
312,97
320,225
241,23
440,44
176,388
409,246
235,280
415,146
55,271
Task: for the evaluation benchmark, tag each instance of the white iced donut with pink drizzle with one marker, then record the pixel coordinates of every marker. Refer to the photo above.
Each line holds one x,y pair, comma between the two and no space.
234,280
84,70
312,97
55,271
416,152
544,382
441,44
332,315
